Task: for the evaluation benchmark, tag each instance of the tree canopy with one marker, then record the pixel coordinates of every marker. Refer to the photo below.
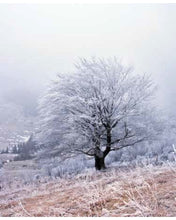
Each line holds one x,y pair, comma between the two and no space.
102,106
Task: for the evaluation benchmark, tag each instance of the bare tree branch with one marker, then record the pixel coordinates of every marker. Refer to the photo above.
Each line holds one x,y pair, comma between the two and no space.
130,144
86,152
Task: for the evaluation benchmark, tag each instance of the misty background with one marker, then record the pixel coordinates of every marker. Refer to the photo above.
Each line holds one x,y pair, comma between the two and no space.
39,41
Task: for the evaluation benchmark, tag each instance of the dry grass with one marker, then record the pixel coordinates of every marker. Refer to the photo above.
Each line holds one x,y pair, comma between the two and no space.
149,191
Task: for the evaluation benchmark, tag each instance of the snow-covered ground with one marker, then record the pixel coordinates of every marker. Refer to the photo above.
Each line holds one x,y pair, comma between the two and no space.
147,191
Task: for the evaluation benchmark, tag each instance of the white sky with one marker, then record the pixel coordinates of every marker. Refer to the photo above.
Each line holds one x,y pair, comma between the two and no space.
38,41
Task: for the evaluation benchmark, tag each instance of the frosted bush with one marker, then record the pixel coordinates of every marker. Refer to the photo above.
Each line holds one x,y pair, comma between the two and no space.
68,167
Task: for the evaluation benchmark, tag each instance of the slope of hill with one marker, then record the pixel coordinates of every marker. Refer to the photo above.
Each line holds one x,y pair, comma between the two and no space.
15,126
148,191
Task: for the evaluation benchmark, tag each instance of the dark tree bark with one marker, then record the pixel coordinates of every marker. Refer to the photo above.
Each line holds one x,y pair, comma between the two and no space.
100,155
99,159
99,163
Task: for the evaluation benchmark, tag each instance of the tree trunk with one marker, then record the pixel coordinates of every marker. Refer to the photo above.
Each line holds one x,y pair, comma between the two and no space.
99,163
100,155
99,159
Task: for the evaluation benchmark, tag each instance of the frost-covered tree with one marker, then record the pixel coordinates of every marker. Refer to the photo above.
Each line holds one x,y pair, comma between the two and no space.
103,106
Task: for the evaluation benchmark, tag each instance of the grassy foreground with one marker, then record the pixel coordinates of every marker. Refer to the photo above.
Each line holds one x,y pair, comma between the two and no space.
147,191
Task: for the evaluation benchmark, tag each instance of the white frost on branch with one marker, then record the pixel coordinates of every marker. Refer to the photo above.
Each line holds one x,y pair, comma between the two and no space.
101,96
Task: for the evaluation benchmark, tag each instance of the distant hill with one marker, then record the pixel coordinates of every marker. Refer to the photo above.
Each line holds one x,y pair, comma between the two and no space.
15,127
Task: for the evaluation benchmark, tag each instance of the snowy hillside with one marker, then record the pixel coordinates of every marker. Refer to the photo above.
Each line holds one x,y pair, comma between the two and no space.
148,191
15,127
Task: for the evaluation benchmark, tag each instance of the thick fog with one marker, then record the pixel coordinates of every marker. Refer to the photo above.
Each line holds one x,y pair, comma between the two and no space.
38,41
109,116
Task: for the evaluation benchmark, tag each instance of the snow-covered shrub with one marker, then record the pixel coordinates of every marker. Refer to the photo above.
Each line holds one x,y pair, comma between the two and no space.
114,156
71,166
